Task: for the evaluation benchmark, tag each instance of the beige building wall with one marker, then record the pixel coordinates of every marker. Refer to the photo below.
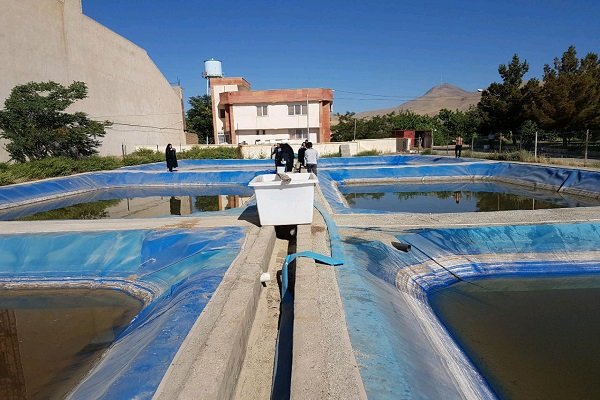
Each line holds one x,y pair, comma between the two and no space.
42,40
246,117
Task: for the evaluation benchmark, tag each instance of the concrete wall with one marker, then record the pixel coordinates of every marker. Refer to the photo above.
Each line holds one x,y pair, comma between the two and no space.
42,40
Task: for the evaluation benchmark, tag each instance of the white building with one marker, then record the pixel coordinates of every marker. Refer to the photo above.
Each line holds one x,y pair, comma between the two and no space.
244,116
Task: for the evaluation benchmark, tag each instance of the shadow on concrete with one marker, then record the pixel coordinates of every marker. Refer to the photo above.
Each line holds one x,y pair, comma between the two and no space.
250,214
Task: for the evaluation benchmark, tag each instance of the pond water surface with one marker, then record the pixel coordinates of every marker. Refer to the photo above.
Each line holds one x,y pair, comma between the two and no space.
133,203
50,339
457,197
531,338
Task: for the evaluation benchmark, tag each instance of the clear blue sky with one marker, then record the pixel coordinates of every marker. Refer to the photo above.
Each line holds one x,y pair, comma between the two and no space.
396,50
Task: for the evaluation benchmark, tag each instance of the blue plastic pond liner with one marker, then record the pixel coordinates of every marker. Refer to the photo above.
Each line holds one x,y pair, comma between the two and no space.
385,291
29,192
178,270
566,180
205,164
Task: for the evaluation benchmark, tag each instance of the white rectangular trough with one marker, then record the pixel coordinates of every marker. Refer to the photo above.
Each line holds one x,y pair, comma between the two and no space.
284,203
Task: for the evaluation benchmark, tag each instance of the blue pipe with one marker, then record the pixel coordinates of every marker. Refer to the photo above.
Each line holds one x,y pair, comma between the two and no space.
310,254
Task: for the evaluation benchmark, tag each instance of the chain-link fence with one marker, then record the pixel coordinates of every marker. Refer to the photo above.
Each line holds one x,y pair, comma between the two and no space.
581,148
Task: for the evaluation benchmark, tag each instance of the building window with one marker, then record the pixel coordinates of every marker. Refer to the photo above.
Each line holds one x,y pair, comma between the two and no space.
296,109
221,113
298,134
261,111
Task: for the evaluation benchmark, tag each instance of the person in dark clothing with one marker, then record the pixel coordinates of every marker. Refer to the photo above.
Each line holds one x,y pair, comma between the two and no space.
301,156
279,156
171,157
289,156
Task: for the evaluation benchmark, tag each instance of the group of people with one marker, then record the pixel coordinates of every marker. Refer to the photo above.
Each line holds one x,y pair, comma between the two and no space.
283,154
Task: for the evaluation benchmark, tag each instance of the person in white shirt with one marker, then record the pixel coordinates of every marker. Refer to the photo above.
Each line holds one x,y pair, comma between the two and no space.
310,158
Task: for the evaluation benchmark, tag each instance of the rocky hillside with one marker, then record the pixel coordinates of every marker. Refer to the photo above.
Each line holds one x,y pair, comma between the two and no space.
439,97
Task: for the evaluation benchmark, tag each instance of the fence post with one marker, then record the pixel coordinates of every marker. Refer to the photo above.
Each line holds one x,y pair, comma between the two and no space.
585,155
535,147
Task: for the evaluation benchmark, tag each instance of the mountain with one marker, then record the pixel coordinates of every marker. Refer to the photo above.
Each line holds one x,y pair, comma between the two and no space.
443,96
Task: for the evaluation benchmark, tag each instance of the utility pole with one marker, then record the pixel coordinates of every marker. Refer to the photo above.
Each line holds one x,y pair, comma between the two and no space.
354,129
307,119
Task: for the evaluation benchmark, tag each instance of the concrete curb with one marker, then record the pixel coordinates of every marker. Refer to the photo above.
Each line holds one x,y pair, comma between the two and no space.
323,365
208,363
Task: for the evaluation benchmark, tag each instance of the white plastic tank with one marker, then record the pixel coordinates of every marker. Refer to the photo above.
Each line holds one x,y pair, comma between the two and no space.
212,69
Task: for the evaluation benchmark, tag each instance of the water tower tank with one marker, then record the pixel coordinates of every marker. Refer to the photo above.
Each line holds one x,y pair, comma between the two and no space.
212,69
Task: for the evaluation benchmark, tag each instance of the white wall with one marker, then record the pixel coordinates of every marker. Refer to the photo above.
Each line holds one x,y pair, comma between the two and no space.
274,136
42,40
384,146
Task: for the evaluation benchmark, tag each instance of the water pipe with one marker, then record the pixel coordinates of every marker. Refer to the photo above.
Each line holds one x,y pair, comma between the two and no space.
309,254
336,252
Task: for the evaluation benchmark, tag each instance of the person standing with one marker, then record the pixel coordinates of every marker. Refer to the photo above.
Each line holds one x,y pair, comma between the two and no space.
458,146
310,158
288,154
277,155
301,152
171,157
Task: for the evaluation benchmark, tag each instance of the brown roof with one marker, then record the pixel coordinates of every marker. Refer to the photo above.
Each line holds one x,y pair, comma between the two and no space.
276,96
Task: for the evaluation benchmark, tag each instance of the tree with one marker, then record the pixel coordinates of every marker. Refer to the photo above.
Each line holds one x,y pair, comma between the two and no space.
36,126
199,118
502,104
379,126
568,102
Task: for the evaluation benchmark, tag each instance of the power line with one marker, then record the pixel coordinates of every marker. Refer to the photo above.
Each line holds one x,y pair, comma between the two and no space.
132,115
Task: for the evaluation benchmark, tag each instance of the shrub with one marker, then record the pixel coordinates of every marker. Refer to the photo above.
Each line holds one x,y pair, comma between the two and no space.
330,155
221,152
143,156
367,153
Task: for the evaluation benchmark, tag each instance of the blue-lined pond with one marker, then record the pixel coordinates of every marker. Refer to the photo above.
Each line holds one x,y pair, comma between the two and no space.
51,339
148,202
531,338
456,197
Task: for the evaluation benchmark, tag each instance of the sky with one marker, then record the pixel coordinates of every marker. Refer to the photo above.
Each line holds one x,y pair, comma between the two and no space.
374,54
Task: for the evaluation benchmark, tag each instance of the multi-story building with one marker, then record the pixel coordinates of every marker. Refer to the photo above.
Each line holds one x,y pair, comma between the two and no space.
244,116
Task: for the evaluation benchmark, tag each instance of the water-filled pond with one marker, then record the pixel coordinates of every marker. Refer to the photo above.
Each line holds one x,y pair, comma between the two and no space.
531,338
51,338
148,202
456,197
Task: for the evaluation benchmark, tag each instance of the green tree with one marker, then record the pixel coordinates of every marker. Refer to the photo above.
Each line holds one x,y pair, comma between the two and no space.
199,118
568,102
453,123
36,126
379,126
502,104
